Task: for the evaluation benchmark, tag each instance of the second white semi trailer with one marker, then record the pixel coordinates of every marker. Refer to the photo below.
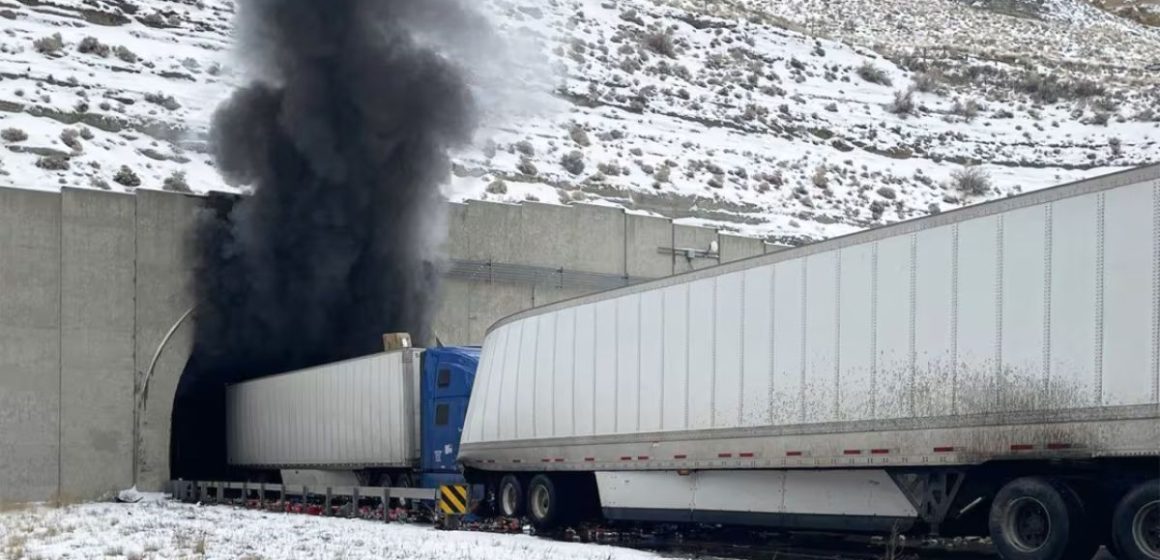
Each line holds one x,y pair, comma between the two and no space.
990,371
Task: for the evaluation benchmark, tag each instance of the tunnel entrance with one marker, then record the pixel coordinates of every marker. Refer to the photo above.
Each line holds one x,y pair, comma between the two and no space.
197,449
252,319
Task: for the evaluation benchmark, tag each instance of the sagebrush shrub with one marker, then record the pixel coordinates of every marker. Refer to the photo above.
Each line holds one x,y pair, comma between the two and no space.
972,180
873,74
661,42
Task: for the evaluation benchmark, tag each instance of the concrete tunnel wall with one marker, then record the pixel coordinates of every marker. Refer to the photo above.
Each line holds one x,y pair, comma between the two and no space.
91,282
87,278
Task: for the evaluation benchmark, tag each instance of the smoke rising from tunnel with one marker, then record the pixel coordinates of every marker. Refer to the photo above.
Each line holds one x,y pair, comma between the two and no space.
342,138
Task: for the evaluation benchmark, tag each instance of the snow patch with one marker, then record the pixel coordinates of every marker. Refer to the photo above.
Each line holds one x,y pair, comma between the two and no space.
160,529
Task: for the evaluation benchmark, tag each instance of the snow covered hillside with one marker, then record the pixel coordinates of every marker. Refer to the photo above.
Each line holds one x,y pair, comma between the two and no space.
1146,12
793,120
163,530
111,95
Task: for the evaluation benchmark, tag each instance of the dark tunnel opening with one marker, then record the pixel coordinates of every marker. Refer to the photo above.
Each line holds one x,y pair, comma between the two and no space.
197,449
197,443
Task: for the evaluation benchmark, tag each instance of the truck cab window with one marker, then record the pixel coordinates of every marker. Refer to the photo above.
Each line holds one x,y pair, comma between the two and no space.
443,378
442,414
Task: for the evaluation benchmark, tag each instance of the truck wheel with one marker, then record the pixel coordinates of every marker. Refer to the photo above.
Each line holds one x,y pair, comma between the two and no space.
543,502
1036,519
511,496
1136,523
403,480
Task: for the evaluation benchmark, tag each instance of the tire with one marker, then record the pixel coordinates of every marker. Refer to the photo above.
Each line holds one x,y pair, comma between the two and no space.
1034,518
510,497
544,503
1136,523
1086,514
403,480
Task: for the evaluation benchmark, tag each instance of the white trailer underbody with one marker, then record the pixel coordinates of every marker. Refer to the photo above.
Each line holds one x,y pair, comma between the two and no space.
815,499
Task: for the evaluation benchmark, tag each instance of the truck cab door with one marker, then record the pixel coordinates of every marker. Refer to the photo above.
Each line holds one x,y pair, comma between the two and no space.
446,427
447,377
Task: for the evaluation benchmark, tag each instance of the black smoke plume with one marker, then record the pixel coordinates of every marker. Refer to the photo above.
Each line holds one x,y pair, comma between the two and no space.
342,139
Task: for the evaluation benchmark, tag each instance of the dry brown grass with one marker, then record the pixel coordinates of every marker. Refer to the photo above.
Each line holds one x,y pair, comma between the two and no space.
194,541
8,507
14,546
22,525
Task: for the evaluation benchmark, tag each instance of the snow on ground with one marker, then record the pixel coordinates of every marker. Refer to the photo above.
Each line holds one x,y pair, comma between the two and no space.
171,530
789,120
132,85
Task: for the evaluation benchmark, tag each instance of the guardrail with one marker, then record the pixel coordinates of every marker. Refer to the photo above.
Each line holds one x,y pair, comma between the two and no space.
265,495
493,272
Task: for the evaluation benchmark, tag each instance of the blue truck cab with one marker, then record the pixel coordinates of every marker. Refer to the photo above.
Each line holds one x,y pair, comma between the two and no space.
445,387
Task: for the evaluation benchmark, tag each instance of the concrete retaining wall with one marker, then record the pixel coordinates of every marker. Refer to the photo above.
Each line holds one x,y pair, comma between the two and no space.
30,372
91,282
96,341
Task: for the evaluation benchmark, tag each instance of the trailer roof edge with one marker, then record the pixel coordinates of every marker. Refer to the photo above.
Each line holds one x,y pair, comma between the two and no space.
1082,187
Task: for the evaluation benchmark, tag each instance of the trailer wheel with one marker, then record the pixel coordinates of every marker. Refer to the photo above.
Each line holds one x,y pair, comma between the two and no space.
403,480
383,480
1136,523
511,496
1036,519
543,502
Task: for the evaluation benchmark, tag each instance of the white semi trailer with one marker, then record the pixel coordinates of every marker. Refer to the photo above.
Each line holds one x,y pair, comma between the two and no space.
992,370
358,415
388,419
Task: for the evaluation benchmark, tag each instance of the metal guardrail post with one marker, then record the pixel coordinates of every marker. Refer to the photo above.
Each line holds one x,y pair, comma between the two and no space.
262,496
354,502
326,512
386,505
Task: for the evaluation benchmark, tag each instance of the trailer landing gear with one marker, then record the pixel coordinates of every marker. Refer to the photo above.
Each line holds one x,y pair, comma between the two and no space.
931,493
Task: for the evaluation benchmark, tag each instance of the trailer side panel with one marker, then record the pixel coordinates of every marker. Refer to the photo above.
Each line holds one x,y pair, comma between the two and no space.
352,414
1024,325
